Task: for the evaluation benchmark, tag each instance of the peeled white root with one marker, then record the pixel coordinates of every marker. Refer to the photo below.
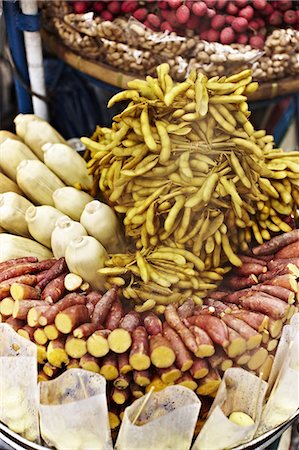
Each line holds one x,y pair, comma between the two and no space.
241,419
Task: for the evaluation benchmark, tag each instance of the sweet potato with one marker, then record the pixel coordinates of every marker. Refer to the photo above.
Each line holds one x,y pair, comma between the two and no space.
27,332
142,377
97,343
152,324
277,263
276,291
257,358
20,291
41,353
257,321
187,381
252,337
16,262
16,324
51,332
250,268
7,306
73,364
209,384
252,260
136,390
235,297
120,396
237,344
271,345
139,355
28,279
71,299
56,353
114,316
183,357
286,269
88,362
219,295
86,329
119,340
124,365
204,342
92,299
161,352
289,251
271,306
130,321
265,369
39,336
74,347
199,369
70,318
275,327
277,243
237,283
218,305
24,269
109,368
55,289
186,309
286,281
175,322
113,416
214,327
103,306
243,359
50,370
35,313
22,307
56,270
220,360
170,375
122,381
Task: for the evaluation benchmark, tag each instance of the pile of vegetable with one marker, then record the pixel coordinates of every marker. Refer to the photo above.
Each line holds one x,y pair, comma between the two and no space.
240,21
194,181
75,326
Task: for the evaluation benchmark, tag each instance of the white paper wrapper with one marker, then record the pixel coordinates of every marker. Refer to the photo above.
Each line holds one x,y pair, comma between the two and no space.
74,413
239,391
166,422
280,355
284,396
19,395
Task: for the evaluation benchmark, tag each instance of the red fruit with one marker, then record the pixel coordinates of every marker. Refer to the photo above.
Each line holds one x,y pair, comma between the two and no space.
290,17
283,5
199,8
253,25
182,14
232,9
193,23
140,14
147,24
170,17
162,4
227,35
106,15
98,7
241,3
175,4
165,26
212,36
154,20
260,22
257,42
218,22
240,24
221,4
229,19
80,7
259,4
129,6
114,7
247,13
242,39
204,35
189,3
211,13
210,3
267,10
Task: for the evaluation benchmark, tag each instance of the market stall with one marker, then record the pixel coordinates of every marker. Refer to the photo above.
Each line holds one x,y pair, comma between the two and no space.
151,284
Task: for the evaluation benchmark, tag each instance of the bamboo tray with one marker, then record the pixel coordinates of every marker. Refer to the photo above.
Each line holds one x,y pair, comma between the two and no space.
260,443
107,74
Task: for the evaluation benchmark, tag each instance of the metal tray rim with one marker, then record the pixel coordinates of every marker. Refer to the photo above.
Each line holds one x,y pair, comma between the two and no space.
264,438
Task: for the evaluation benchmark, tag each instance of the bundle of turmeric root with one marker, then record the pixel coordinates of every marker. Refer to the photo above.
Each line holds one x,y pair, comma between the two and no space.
74,326
194,181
